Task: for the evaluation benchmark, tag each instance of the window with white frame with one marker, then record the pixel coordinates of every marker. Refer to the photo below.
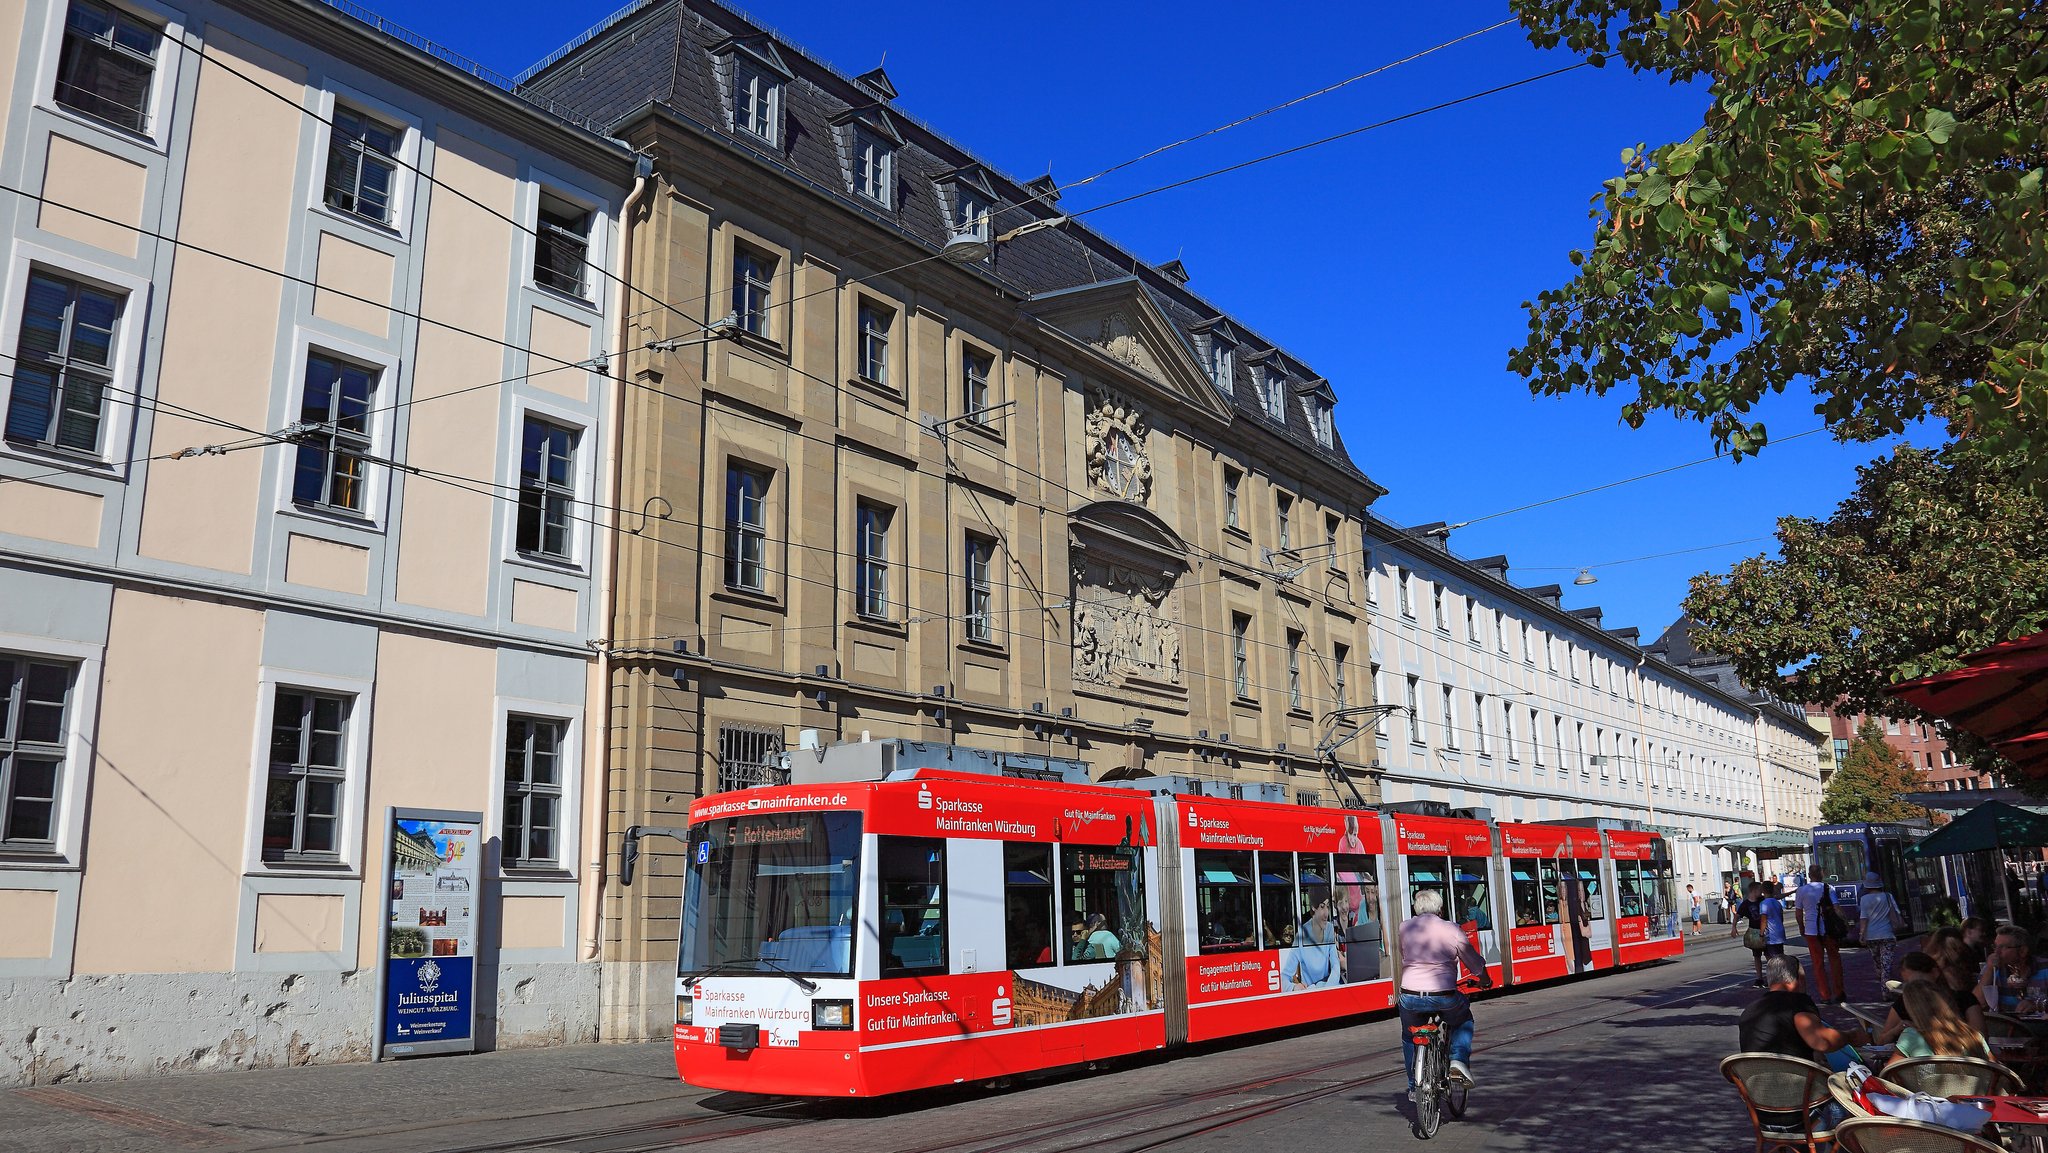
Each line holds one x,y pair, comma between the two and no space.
1231,480
1222,360
874,166
971,209
871,570
302,804
1321,421
1480,738
330,472
1273,391
1450,719
531,838
561,246
1439,609
1536,737
1283,513
872,324
756,100
1240,655
1500,630
1507,732
1416,733
63,365
1404,590
362,165
753,285
1369,578
107,64
1293,670
547,488
35,703
1557,735
981,589
746,528
976,367
1471,621
1340,656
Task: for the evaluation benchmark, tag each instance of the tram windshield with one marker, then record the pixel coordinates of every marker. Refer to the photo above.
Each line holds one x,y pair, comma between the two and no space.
1840,862
771,893
1471,893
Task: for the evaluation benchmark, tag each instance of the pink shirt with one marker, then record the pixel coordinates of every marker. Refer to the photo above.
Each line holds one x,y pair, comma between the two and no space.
1431,948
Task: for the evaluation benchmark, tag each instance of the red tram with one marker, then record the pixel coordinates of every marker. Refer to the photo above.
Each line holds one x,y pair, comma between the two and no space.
935,926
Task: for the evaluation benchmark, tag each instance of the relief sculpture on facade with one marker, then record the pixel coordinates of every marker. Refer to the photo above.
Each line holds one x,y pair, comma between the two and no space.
1118,461
1124,626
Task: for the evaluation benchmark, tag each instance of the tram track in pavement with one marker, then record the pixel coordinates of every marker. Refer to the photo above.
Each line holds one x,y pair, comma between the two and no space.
680,1132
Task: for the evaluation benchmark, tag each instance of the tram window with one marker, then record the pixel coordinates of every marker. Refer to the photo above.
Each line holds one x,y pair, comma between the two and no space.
1107,883
1628,888
1660,889
1314,888
1552,891
1527,891
1472,892
1358,889
772,892
1428,873
1028,904
1223,901
1588,869
913,872
1840,862
1276,898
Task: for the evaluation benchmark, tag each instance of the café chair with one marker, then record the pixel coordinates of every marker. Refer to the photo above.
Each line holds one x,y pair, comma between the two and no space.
1896,1135
1954,1076
1784,1096
1845,1095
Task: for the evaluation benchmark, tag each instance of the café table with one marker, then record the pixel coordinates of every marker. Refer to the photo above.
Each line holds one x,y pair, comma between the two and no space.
2023,1121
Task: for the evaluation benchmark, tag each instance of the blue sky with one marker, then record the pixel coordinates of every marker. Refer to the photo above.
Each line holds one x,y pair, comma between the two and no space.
1395,263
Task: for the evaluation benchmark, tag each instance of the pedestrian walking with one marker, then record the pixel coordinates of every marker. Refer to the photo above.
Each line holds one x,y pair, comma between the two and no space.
1766,933
1877,925
1698,908
1823,943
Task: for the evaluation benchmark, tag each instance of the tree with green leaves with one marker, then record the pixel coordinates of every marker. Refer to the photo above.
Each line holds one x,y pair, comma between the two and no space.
1870,780
1861,214
1934,555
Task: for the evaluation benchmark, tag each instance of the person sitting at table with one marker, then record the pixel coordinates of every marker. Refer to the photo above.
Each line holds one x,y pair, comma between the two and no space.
1937,1031
1786,1021
1921,967
2012,981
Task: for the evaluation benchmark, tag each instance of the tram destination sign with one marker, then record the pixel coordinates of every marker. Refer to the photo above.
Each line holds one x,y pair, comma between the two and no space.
426,973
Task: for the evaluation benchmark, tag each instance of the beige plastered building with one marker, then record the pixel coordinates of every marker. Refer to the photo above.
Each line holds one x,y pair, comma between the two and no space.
301,318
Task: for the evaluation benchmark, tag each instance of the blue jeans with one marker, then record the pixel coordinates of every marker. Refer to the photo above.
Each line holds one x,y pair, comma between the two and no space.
1457,1015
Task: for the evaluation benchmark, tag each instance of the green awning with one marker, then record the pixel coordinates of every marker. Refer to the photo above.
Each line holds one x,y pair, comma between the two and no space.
1770,842
1991,825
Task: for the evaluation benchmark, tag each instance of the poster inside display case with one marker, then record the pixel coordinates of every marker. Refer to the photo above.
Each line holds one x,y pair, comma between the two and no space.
433,865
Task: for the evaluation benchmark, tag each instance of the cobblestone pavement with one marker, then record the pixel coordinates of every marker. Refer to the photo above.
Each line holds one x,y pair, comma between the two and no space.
1623,1061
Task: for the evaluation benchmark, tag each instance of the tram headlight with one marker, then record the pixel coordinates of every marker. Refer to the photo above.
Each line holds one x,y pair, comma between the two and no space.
685,1009
832,1014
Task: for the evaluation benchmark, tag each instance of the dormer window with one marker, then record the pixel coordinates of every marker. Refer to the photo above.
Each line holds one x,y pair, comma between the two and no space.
755,77
868,140
969,203
1222,360
1273,391
1318,402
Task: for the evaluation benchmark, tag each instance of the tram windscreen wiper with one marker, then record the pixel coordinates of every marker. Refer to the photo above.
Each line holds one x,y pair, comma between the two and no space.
807,985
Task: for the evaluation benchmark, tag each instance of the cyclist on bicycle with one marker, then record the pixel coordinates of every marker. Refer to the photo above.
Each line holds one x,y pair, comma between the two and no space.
1431,950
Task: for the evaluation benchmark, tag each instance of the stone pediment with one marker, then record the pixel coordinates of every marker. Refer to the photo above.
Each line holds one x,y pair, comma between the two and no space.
1123,336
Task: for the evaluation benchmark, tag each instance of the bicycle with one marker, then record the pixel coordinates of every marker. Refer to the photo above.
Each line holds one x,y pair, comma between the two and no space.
1436,1094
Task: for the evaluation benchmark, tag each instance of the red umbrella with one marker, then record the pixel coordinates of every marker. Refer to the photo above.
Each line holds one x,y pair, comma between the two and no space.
2000,695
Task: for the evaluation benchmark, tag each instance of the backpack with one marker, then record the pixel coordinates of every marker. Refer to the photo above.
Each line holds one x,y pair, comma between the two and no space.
1831,924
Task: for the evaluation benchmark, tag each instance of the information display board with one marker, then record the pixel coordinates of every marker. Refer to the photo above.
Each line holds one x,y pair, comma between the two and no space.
433,874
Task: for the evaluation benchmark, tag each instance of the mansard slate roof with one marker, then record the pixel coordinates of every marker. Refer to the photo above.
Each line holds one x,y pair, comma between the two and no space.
663,52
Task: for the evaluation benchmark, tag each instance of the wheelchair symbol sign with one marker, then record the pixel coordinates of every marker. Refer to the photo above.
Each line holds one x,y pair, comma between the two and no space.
703,851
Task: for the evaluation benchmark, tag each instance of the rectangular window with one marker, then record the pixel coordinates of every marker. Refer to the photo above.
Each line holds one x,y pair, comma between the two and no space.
1240,658
874,167
1369,578
561,246
981,589
871,574
1557,735
547,488
913,876
749,757
1450,720
970,212
1579,747
1536,736
533,792
1222,357
330,471
1223,901
1278,916
756,100
746,528
1028,906
872,338
107,64
1404,591
308,770
37,695
1340,656
1273,392
1231,480
1104,905
1507,732
1528,652
1284,512
975,369
753,279
1500,630
1414,700
362,165
63,364
1441,611
1471,621
1332,525
1550,652
1293,669
1480,744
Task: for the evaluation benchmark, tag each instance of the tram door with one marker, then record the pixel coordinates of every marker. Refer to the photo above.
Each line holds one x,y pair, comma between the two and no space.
1582,908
